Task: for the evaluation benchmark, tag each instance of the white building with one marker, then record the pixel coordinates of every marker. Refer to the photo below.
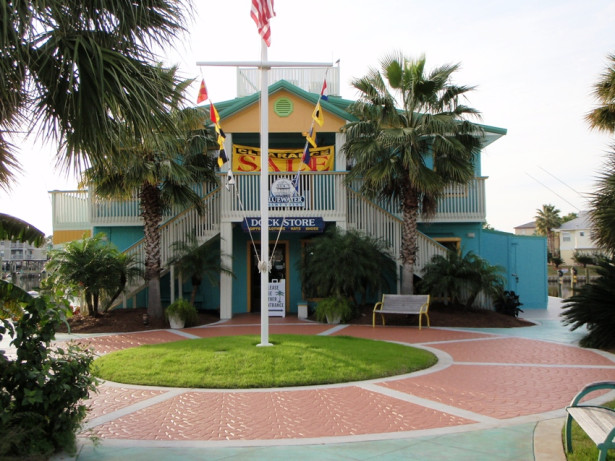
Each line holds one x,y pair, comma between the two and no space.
575,236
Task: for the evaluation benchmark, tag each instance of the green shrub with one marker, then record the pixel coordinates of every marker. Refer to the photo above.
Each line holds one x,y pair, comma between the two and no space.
42,389
333,308
592,306
184,310
508,304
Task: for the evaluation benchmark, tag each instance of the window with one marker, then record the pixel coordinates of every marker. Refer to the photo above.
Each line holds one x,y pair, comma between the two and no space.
566,236
582,234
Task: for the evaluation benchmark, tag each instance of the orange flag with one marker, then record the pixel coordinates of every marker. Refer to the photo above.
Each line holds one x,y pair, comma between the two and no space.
202,93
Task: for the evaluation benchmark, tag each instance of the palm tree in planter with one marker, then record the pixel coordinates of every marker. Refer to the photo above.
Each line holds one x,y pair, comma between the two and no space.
415,152
346,265
161,167
197,261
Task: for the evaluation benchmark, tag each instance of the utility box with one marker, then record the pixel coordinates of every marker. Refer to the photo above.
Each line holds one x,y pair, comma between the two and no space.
302,310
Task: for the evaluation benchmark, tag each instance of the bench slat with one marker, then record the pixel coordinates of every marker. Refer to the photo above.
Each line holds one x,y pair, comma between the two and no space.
597,422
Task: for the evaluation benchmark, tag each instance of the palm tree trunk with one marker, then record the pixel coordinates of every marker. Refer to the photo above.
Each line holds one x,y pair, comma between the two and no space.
152,216
409,239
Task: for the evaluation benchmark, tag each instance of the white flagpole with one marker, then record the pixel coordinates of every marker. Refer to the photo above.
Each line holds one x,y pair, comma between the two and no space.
264,197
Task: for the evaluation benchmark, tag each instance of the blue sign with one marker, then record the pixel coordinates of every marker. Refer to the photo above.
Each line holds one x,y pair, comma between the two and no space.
286,224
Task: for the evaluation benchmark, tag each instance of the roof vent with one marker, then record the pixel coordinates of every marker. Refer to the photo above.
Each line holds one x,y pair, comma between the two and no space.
283,107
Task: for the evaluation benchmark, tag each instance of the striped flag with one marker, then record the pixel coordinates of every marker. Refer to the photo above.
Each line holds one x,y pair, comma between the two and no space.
202,93
323,92
262,12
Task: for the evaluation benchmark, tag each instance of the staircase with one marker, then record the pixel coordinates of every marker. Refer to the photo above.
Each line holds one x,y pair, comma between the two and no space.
361,214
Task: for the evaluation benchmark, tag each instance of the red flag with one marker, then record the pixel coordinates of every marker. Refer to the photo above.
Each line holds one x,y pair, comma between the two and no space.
202,93
213,114
262,12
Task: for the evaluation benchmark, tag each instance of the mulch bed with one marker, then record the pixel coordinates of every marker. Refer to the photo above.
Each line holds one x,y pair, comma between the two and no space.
128,320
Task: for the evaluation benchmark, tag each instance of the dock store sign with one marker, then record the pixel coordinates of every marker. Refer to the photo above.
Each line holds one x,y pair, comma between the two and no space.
315,225
284,194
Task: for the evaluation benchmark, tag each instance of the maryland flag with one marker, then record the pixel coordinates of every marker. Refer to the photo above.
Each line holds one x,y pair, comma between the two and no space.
317,115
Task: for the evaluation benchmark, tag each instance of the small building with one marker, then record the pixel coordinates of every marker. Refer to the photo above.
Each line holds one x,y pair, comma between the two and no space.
575,237
526,229
325,201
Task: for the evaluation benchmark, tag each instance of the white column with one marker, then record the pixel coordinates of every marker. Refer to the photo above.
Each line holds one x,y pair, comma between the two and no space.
226,280
264,198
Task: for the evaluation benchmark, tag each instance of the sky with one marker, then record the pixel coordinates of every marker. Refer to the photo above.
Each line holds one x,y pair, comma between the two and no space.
533,65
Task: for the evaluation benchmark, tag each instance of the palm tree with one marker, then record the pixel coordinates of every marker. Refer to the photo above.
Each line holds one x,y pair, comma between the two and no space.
196,261
462,278
603,207
346,264
603,117
592,305
91,264
77,70
547,219
162,167
12,228
412,153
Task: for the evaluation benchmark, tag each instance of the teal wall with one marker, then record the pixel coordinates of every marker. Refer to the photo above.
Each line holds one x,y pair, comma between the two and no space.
122,237
524,258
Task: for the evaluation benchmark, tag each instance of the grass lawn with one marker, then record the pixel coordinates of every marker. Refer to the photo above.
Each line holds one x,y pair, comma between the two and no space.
583,447
235,362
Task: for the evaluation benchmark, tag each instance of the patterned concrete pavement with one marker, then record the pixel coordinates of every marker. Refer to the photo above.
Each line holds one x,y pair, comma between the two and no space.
489,386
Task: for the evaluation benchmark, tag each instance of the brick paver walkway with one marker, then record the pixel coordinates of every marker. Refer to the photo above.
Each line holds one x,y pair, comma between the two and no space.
480,379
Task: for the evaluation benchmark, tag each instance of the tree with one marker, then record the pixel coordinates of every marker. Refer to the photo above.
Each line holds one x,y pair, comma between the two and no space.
162,168
584,259
602,212
12,228
91,264
461,278
76,71
569,217
197,261
592,306
346,264
413,153
603,117
547,219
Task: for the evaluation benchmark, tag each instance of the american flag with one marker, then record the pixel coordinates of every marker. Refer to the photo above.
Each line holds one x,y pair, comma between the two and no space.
262,12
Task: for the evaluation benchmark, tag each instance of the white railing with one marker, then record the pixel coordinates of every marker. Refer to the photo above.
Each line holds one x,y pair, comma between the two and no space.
70,210
189,222
307,78
324,193
368,217
460,203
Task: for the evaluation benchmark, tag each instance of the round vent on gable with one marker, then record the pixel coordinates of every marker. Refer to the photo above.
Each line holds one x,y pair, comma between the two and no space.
283,107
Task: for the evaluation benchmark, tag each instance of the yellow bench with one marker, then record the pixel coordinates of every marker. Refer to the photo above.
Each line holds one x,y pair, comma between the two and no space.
402,304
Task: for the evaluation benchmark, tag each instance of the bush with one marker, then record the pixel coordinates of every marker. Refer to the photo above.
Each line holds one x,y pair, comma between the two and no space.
184,310
346,264
592,306
333,310
42,389
508,304
461,279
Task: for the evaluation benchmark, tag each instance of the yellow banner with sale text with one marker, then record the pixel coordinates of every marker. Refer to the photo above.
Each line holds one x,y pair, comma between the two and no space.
248,159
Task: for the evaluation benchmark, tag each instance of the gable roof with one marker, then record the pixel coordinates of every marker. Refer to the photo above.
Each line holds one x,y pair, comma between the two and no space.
336,105
583,222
